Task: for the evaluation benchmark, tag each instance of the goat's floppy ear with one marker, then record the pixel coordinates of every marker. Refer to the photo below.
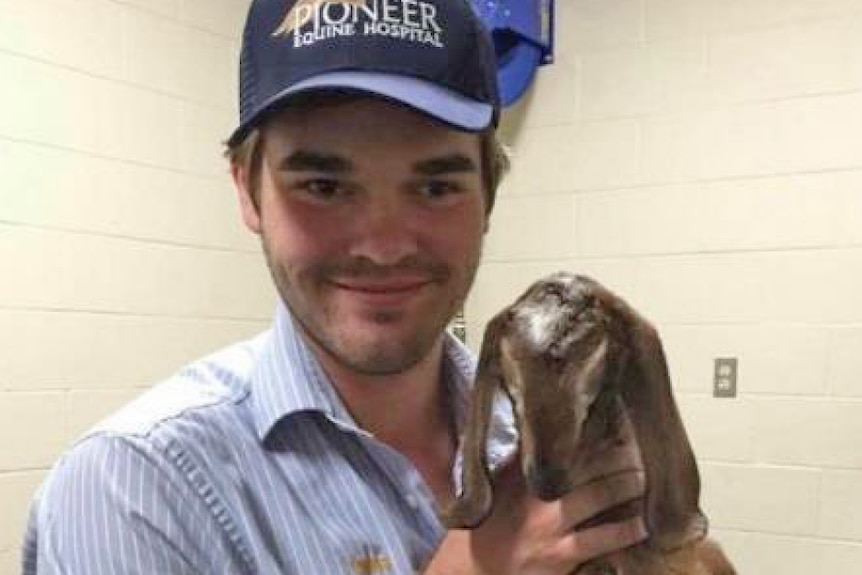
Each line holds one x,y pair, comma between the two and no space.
673,515
474,503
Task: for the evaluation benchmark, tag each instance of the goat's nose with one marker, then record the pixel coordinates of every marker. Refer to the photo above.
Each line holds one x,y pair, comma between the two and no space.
548,483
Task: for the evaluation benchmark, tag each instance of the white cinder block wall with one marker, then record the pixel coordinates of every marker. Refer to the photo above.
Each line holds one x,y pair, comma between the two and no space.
122,255
704,159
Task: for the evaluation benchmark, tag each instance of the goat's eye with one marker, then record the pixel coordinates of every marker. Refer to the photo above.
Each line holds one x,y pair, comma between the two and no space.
554,290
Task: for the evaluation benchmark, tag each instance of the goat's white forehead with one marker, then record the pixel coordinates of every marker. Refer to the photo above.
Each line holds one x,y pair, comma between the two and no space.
539,322
540,318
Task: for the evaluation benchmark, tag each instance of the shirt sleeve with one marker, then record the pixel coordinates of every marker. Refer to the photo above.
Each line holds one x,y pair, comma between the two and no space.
116,505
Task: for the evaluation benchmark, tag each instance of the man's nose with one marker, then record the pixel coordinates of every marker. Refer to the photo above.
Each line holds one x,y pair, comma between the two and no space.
385,232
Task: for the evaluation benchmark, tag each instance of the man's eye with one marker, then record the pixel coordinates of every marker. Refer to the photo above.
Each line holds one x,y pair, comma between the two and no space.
439,190
323,189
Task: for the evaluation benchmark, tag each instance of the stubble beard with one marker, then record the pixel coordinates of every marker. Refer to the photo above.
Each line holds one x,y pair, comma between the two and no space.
318,322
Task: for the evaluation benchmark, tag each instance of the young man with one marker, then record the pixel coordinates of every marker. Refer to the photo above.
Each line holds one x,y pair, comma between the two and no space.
366,161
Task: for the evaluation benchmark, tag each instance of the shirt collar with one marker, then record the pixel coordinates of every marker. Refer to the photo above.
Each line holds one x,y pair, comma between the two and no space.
288,379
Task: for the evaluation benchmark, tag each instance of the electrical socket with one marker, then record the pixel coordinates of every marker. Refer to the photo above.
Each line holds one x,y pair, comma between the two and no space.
725,376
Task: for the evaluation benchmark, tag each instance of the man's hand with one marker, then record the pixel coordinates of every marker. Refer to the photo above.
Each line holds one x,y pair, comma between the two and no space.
527,536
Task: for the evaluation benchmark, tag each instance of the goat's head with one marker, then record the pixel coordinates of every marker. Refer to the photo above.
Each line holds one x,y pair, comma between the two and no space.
575,360
557,357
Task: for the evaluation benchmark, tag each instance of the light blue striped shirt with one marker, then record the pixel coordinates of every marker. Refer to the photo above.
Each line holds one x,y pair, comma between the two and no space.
245,462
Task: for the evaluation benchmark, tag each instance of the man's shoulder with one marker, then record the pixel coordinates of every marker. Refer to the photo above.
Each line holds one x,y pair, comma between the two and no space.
219,379
188,411
143,461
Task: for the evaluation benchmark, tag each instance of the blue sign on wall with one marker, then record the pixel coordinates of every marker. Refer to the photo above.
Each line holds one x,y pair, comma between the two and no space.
523,32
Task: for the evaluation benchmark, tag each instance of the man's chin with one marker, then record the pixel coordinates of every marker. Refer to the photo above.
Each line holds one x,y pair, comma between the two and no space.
378,349
379,361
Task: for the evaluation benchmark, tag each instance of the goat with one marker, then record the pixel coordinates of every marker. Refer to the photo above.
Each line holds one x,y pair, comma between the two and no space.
579,364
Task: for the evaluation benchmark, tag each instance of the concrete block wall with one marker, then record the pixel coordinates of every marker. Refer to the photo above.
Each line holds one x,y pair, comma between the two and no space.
122,255
704,159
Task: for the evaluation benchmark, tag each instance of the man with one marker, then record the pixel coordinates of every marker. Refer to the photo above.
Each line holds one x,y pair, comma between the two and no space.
366,161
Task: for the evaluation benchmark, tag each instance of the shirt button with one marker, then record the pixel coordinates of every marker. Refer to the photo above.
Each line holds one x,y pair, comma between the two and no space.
413,501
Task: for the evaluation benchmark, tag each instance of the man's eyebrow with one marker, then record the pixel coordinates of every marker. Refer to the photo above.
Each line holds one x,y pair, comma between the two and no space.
451,164
311,161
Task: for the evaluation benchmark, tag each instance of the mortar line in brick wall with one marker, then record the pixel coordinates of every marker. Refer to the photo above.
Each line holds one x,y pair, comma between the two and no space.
731,104
723,251
505,197
800,538
134,239
643,256
747,177
781,324
14,551
727,252
670,113
806,21
178,19
120,81
68,391
764,395
135,315
853,400
538,261
751,464
265,320
54,391
22,471
222,177
779,99
675,183
658,185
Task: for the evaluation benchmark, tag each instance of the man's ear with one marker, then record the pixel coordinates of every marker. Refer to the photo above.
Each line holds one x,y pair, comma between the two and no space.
250,211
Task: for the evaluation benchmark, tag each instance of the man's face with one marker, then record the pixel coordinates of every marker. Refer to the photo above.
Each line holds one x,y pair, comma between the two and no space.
372,218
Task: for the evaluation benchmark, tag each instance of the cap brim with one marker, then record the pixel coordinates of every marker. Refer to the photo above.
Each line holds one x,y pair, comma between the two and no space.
436,101
516,69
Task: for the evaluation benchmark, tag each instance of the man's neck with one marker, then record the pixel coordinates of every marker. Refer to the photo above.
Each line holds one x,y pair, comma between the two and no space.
409,412
399,409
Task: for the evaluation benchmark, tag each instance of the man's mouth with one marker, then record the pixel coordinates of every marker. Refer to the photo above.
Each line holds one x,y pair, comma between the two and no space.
389,291
382,287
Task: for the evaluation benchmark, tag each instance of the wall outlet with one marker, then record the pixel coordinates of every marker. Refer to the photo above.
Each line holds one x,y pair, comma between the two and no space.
724,381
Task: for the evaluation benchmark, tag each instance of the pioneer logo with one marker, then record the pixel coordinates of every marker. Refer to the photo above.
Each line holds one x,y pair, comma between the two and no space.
312,21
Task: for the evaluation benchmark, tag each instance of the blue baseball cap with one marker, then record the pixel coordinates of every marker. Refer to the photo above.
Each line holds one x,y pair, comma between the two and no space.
522,32
434,56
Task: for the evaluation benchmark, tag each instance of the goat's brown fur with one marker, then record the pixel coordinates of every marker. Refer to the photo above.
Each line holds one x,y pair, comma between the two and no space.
578,363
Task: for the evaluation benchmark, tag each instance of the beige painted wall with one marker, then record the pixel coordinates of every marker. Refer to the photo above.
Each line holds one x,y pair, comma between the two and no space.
704,159
121,252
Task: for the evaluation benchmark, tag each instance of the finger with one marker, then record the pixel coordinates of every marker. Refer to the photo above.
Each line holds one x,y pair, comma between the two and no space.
589,500
582,546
